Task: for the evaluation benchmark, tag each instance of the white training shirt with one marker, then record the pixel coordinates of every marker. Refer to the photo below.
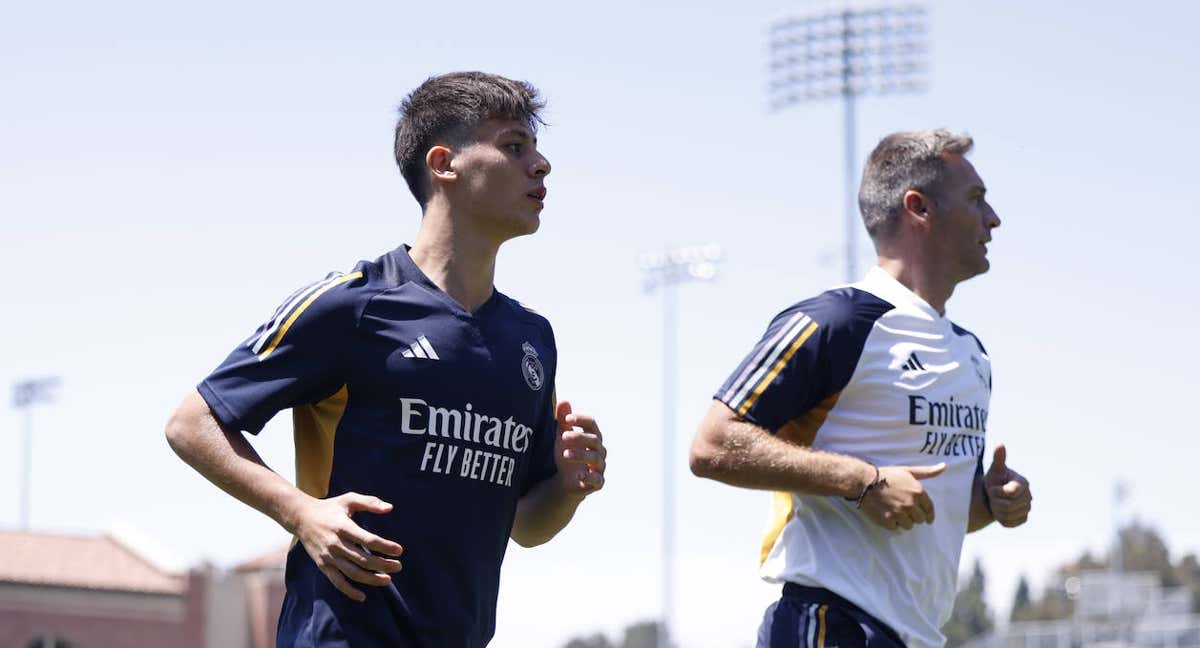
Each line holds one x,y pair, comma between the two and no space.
872,371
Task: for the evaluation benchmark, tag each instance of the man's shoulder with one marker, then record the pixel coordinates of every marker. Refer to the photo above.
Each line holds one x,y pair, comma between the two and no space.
332,300
339,297
523,312
962,332
841,310
349,290
527,317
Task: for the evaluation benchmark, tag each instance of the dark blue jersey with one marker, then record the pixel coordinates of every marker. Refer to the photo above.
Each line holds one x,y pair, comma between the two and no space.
396,391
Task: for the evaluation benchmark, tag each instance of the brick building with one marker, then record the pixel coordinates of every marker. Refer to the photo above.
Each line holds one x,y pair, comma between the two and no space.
61,591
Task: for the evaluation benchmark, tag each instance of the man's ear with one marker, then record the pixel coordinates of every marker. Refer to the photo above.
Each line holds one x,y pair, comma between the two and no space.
439,159
918,208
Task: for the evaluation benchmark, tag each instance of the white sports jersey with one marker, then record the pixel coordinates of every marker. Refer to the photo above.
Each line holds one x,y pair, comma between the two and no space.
872,371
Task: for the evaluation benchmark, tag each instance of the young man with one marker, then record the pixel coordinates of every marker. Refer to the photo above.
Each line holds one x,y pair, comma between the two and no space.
865,409
422,399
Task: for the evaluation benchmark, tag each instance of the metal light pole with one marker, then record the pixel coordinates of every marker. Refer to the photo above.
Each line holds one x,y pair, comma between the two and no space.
1120,497
26,394
848,53
663,271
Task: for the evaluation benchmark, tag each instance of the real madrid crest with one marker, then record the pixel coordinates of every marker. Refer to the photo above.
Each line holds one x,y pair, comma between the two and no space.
531,367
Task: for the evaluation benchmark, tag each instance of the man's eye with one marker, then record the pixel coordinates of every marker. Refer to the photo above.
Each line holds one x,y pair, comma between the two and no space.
515,147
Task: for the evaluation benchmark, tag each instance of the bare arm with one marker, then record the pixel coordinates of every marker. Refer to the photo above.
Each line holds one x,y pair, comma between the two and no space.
226,459
731,450
580,457
739,453
543,512
336,544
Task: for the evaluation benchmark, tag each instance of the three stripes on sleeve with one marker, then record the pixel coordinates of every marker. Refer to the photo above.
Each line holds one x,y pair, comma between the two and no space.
766,362
265,342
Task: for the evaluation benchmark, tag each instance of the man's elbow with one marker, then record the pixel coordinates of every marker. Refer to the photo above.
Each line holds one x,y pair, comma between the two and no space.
177,432
706,457
528,541
710,455
530,535
181,429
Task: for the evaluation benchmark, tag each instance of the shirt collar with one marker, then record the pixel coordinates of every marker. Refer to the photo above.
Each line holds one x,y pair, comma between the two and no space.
412,272
882,284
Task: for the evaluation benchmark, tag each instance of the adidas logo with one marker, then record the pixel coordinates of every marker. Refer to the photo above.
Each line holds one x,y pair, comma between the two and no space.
913,364
421,349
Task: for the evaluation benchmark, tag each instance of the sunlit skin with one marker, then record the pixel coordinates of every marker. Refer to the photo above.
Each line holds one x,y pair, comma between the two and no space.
482,193
496,182
941,240
964,222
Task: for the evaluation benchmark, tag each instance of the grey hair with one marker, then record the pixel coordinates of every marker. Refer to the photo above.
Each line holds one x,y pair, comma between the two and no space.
903,162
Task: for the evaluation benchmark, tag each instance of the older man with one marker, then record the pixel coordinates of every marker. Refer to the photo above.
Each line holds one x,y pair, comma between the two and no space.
865,408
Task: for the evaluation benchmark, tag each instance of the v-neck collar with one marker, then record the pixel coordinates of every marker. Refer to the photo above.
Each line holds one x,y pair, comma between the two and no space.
414,273
883,284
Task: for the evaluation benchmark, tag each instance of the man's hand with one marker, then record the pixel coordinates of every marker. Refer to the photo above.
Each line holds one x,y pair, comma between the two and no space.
900,501
341,549
1007,491
579,453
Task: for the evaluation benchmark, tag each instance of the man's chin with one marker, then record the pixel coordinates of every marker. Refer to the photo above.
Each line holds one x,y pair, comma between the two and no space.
523,226
980,268
529,225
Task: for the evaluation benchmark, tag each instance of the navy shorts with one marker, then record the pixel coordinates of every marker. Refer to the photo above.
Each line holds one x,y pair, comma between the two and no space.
812,617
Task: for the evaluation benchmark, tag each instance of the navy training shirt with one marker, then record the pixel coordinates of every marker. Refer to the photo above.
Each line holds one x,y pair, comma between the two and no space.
398,392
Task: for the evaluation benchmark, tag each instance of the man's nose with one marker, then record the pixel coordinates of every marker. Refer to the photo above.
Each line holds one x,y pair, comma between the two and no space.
541,167
992,221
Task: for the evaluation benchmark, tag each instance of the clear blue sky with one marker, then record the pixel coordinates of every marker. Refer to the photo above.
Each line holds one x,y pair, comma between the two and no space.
169,173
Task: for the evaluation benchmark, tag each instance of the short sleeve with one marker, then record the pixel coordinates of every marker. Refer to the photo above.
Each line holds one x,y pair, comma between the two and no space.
541,464
808,353
295,358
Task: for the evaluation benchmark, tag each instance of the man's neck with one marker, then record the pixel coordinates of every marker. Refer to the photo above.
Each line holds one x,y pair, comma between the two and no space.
459,261
925,281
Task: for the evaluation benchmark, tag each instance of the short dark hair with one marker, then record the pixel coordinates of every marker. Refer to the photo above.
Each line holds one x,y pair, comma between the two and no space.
447,107
903,162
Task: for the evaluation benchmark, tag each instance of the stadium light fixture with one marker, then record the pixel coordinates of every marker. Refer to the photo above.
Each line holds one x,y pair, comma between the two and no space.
663,271
26,394
858,50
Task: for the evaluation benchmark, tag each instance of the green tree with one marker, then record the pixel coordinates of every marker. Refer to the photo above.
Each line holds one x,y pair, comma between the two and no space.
1140,548
643,634
1022,601
971,616
597,640
1188,574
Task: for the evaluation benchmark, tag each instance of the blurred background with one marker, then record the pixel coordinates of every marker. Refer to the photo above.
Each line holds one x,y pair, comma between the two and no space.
169,173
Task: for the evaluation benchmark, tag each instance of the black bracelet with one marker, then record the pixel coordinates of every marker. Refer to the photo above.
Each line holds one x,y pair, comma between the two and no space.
875,483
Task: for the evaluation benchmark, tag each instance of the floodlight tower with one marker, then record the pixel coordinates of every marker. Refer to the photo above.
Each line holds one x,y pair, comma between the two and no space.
26,394
849,52
663,271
